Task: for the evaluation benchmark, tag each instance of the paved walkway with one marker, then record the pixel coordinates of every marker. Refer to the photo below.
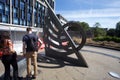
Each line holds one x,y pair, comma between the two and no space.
99,66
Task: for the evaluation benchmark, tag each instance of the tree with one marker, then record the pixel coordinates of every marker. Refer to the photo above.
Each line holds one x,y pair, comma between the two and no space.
84,25
98,31
111,32
97,24
118,29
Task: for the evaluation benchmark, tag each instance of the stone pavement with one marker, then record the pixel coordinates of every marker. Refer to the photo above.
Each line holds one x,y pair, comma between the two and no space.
99,66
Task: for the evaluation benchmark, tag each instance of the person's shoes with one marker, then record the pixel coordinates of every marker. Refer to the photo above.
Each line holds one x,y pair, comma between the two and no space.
33,77
10,77
20,78
28,77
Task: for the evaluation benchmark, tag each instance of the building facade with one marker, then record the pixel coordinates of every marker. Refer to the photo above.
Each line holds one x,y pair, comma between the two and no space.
17,15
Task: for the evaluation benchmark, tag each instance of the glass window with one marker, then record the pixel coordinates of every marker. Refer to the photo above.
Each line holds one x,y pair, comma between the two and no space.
38,19
28,23
4,19
8,2
7,8
15,20
34,10
43,8
22,14
15,10
28,16
28,2
35,24
16,3
30,9
1,6
21,22
24,23
36,4
4,1
22,5
13,2
0,17
39,6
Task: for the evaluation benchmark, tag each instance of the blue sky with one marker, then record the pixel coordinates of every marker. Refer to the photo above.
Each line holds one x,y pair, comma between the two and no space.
106,12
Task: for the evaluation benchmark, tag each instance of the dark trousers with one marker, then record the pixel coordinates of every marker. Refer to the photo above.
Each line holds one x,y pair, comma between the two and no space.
8,60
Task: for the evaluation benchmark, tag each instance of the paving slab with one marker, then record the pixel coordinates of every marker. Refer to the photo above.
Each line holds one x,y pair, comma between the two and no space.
54,69
99,67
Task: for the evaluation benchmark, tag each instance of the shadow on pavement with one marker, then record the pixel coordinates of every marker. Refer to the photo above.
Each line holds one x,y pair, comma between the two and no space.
20,78
52,63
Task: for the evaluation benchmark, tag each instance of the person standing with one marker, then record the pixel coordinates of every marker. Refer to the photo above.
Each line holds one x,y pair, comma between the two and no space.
9,57
30,49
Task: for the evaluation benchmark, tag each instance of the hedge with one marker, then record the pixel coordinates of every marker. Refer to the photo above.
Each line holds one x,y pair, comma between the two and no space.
107,38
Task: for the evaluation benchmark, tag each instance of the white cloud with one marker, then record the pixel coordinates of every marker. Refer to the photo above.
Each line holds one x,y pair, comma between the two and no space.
113,12
105,22
114,3
106,17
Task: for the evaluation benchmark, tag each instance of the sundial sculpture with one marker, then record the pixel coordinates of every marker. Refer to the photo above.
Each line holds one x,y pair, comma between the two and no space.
59,41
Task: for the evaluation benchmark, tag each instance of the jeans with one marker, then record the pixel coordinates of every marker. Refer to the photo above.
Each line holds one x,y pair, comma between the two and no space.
8,60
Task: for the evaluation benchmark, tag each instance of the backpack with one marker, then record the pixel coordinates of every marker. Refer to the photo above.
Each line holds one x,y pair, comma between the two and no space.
33,45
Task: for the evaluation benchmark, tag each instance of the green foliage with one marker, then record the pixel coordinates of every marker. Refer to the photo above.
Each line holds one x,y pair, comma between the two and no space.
111,32
84,25
98,32
118,29
73,28
107,38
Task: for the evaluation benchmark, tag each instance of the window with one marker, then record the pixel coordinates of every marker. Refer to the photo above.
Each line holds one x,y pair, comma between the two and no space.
0,17
21,22
15,10
1,6
16,3
28,16
28,2
36,4
7,8
13,2
24,23
30,9
8,2
15,20
22,5
28,23
34,10
22,14
4,11
39,6
4,19
43,8
22,11
38,19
